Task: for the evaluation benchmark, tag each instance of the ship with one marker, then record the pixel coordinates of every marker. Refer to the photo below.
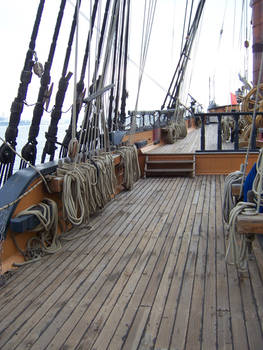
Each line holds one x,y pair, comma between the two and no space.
117,239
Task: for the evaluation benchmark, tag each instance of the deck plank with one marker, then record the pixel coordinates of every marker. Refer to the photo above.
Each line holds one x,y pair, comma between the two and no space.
25,277
224,334
209,320
193,337
83,258
152,224
151,274
177,264
99,264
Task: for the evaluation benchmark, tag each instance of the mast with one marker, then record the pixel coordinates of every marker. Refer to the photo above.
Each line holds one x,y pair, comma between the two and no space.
257,48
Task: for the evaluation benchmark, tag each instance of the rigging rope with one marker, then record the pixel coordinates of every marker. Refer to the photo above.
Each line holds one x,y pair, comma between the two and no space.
51,138
7,157
73,144
253,123
29,150
145,41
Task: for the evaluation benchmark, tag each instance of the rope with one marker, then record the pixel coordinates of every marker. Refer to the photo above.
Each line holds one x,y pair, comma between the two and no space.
253,121
87,187
20,197
229,200
239,249
257,183
145,41
132,172
237,245
46,242
29,164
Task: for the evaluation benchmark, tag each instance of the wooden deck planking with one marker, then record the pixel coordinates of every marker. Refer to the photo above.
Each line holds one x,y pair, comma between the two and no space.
103,239
151,274
224,336
142,248
93,265
209,301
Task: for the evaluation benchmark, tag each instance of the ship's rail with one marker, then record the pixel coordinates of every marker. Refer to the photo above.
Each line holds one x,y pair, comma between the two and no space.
205,117
144,120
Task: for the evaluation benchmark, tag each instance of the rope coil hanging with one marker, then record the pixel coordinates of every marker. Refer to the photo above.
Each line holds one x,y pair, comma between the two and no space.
131,165
87,187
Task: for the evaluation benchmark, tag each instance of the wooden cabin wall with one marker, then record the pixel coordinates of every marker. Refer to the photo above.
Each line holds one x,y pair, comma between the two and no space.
221,163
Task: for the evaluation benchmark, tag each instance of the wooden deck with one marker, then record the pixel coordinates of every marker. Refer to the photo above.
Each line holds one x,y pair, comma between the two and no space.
191,142
150,274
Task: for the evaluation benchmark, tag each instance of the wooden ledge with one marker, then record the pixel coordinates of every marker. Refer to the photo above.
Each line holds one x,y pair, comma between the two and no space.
247,224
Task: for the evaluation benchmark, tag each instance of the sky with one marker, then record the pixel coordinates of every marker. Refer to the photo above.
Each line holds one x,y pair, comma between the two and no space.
221,56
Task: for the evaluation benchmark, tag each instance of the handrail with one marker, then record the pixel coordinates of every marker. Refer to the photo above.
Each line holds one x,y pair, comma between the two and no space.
220,116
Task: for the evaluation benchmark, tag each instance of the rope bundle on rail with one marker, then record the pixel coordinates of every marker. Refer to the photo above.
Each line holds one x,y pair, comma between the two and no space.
87,187
131,165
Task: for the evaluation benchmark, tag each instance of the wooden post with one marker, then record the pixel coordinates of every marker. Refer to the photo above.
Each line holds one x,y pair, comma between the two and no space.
219,132
202,133
236,134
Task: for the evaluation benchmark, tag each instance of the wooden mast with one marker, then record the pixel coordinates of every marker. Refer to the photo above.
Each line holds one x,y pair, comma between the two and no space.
257,48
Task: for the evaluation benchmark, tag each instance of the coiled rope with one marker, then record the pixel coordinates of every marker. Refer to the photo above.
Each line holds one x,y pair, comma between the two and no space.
87,187
238,244
237,250
229,201
46,241
130,160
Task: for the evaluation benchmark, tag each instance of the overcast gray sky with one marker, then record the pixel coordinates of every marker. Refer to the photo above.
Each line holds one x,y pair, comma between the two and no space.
223,57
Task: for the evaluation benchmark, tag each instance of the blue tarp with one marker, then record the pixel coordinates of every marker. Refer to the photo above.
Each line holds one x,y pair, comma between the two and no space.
249,183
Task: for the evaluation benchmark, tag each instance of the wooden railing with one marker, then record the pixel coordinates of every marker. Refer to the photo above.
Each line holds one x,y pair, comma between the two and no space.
236,115
148,119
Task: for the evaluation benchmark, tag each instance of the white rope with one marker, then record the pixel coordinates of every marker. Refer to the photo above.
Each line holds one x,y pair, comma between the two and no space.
145,41
20,197
229,201
253,122
237,249
86,190
257,183
47,240
131,165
